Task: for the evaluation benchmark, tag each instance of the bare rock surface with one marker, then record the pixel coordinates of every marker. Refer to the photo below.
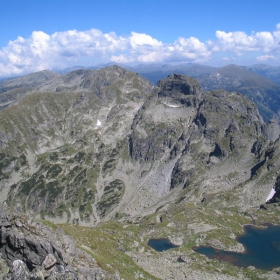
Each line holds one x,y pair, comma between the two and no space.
31,250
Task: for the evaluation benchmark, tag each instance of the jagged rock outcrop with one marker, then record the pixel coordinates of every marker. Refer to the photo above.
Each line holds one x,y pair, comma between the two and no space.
216,135
276,196
271,130
154,129
31,250
179,87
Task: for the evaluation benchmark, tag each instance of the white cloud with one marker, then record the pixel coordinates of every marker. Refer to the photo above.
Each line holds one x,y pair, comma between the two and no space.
276,33
146,49
137,40
239,42
265,57
62,49
192,48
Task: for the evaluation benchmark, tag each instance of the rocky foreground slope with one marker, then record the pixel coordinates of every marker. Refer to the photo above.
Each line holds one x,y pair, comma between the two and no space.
107,148
31,250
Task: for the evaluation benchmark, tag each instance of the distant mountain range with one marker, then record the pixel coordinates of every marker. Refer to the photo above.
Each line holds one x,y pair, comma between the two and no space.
261,83
264,92
267,71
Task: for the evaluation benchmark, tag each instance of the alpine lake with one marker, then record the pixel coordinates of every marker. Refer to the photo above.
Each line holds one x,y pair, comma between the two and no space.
261,248
161,244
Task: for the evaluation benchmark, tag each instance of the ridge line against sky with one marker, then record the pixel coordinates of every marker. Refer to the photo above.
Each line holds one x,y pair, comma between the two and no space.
54,35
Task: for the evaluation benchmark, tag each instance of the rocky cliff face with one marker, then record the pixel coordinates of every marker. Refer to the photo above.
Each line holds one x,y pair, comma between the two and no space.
261,90
106,144
161,120
31,250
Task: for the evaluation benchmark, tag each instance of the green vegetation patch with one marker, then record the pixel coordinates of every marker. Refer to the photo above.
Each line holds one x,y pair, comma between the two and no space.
111,197
80,177
52,188
74,171
5,161
54,171
33,182
104,243
22,160
109,165
80,157
54,156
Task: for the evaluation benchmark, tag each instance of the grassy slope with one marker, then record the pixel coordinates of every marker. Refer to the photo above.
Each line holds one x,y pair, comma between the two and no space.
113,244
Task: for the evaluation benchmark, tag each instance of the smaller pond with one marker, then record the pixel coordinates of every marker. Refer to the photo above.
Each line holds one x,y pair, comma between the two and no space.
262,248
161,244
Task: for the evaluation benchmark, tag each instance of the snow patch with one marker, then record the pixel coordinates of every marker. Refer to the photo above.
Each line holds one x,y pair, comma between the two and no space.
98,124
271,194
173,106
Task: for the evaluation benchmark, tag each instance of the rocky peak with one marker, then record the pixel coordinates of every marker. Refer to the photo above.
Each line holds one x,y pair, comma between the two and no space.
178,86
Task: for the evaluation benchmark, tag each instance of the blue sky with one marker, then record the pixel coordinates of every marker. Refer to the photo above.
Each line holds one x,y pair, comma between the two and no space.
55,34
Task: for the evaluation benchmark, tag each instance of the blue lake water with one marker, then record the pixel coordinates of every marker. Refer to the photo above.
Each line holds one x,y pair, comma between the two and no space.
262,248
161,244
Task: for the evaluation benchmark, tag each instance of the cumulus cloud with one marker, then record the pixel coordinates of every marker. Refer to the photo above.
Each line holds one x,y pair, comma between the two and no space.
62,49
235,41
265,57
59,50
239,42
137,40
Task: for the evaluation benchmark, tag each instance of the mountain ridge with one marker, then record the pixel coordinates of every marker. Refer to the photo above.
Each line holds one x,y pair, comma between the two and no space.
263,91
